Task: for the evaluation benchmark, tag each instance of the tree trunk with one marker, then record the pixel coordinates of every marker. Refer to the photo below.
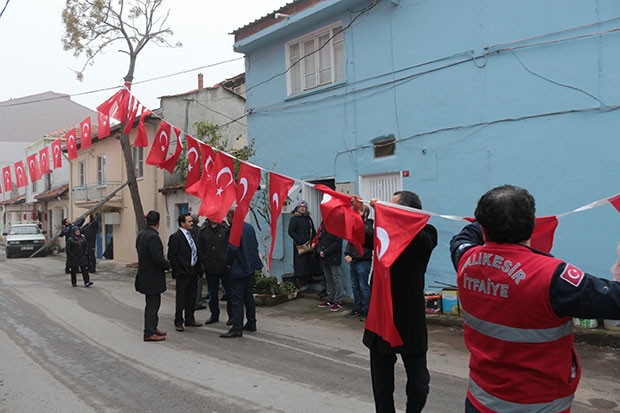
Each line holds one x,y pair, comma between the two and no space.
132,183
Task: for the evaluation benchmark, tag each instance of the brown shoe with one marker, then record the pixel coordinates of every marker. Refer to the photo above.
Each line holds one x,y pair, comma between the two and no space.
159,332
193,324
154,337
179,328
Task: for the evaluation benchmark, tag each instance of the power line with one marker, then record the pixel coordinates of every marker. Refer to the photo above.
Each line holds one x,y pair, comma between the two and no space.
4,8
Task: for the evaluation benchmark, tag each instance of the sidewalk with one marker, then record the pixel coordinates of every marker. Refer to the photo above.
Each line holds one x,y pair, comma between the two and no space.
599,337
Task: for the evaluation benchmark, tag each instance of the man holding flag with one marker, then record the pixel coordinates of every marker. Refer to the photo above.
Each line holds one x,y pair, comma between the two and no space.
399,290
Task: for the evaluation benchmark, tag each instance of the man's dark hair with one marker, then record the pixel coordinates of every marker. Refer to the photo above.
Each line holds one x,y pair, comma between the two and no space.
64,221
182,218
507,214
408,199
152,218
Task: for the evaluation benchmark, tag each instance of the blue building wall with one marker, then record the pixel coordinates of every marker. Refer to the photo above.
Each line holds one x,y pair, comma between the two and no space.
477,93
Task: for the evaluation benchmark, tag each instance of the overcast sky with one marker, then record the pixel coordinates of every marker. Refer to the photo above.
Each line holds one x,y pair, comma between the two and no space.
33,60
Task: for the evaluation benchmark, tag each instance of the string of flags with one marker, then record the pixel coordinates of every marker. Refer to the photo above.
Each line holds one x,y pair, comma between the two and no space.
210,176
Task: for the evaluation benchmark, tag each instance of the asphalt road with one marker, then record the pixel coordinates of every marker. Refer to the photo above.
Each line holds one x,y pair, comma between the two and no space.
67,349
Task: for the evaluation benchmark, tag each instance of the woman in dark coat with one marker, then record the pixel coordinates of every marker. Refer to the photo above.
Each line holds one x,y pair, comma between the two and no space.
301,230
77,256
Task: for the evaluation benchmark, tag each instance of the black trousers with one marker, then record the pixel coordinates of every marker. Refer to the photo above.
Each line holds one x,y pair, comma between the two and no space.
382,373
83,269
242,295
151,319
213,286
186,288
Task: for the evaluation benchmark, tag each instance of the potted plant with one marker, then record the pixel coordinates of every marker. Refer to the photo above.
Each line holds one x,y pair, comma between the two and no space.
267,290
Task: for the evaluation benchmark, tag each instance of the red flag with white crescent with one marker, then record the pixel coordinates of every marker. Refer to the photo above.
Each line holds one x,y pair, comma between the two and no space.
86,139
103,125
132,112
395,228
71,144
193,161
44,161
278,191
7,179
220,190
161,143
341,219
33,167
20,174
247,184
141,138
615,201
57,153
198,188
170,163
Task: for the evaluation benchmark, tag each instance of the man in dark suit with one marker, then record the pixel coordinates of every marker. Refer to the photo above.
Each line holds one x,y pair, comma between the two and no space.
90,232
244,261
151,277
183,256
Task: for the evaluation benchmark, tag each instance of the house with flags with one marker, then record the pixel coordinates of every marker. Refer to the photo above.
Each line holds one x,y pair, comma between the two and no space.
26,120
446,99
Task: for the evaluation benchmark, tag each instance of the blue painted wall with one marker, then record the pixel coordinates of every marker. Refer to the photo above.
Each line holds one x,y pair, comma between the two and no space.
477,93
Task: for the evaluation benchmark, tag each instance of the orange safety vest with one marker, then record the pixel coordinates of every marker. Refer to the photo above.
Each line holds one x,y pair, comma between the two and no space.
522,356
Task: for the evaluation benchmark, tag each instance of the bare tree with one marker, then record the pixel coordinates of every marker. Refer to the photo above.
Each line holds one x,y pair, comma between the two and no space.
91,26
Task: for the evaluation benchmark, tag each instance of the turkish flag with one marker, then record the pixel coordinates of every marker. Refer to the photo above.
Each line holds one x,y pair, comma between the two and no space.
103,125
220,190
71,144
278,191
111,107
341,219
615,201
159,150
7,178
248,181
20,174
395,228
33,167
193,161
170,163
198,188
86,138
57,153
44,161
544,230
132,112
542,236
141,138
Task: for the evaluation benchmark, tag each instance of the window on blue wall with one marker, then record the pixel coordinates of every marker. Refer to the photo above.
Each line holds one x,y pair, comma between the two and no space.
315,60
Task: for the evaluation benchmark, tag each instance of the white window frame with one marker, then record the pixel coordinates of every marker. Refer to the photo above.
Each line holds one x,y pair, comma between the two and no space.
101,170
300,72
380,186
81,172
138,161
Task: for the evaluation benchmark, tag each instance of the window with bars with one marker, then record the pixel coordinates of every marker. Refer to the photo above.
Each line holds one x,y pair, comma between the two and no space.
138,161
81,173
315,60
101,170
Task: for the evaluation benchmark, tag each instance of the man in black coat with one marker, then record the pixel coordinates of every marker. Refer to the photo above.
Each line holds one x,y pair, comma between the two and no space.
90,232
151,277
183,257
213,253
409,309
66,232
330,253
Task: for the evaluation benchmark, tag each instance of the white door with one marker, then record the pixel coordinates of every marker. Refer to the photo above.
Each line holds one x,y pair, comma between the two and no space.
380,186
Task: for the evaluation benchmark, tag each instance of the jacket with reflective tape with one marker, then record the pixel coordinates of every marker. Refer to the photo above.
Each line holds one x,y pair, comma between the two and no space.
522,354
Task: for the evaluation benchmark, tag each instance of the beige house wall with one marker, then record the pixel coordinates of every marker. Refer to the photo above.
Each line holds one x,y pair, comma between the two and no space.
125,231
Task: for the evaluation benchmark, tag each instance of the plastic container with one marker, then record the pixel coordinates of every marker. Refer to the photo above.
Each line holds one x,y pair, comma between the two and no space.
450,301
585,323
611,324
433,303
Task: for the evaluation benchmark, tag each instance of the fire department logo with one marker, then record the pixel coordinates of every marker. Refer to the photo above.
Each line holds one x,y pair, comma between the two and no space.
572,275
